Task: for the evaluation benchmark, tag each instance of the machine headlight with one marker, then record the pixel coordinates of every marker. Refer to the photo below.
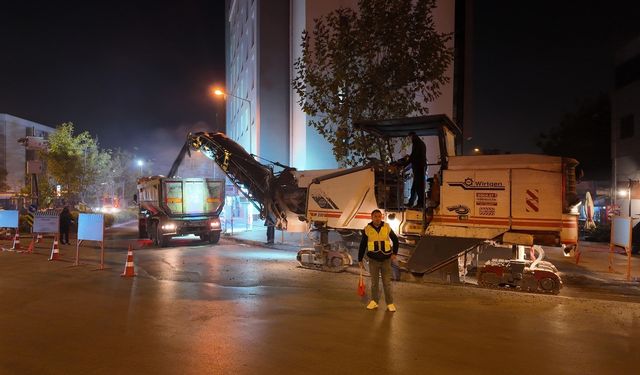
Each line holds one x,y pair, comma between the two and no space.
170,226
394,223
575,209
215,224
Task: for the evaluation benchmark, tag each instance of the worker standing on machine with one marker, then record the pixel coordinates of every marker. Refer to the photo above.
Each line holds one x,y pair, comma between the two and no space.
376,242
418,160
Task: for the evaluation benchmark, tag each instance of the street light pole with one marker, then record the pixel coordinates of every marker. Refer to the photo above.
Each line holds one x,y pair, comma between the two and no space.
222,93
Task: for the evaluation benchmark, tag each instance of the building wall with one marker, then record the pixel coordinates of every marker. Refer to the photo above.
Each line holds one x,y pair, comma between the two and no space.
263,41
309,150
13,155
625,137
242,108
274,87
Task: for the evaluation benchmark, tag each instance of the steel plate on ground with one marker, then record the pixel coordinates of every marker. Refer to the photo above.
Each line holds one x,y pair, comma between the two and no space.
433,252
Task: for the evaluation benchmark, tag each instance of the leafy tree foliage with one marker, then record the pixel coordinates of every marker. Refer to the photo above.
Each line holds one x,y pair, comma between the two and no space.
383,60
76,163
46,191
123,176
584,135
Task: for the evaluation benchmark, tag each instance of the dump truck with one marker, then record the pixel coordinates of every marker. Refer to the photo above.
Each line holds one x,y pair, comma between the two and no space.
171,207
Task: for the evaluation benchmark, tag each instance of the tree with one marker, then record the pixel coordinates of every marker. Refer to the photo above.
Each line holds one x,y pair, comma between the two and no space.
46,191
3,179
384,60
124,174
76,163
584,135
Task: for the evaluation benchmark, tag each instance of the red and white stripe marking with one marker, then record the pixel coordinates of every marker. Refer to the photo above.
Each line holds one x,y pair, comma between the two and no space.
533,201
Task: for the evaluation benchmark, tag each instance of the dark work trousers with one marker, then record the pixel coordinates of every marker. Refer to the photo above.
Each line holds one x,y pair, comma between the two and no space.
417,186
271,233
379,268
64,235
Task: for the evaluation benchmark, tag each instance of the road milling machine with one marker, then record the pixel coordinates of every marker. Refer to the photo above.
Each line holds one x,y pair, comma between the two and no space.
513,202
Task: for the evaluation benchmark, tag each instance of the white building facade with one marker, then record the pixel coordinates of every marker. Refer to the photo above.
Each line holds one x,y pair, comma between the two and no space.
625,136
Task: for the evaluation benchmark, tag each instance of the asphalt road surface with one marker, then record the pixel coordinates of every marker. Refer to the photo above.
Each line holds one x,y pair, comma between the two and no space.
237,309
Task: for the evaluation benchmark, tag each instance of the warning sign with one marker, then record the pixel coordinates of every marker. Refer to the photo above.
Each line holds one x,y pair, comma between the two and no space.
486,199
46,222
8,219
91,227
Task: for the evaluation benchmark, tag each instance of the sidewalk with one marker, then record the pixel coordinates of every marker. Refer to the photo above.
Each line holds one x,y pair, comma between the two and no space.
593,265
257,236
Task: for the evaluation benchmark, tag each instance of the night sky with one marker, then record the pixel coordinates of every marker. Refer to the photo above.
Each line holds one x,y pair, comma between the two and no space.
133,73
536,60
136,73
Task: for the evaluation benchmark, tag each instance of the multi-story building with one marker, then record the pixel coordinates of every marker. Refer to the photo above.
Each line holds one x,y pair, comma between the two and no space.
13,155
263,41
625,112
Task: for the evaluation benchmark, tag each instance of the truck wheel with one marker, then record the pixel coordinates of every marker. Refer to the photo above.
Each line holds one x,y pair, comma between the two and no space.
162,241
214,237
153,233
142,231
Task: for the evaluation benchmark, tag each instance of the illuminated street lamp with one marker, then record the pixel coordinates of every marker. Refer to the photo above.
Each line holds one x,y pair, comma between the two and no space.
140,164
219,92
626,193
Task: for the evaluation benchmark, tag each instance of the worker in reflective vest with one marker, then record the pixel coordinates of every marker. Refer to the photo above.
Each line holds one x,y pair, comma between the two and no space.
377,238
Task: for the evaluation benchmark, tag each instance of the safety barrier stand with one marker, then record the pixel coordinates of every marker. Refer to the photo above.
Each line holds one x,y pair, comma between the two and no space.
621,229
90,228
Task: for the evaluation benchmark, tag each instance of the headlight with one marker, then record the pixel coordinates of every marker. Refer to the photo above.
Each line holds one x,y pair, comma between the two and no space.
215,224
394,223
575,209
169,226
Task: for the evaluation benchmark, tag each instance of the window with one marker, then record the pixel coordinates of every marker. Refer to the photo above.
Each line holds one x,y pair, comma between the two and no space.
626,127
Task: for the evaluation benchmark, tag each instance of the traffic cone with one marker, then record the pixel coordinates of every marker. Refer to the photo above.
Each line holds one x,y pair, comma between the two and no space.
38,238
55,253
16,241
31,245
129,270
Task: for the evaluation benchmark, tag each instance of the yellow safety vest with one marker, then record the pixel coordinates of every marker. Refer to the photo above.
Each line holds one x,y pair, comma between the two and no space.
378,241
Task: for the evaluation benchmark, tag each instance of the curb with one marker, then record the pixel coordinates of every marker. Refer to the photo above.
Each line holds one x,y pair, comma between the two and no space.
276,246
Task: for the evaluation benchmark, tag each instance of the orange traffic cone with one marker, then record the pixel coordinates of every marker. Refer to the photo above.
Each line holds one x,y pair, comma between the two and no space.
31,245
55,253
129,271
16,241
